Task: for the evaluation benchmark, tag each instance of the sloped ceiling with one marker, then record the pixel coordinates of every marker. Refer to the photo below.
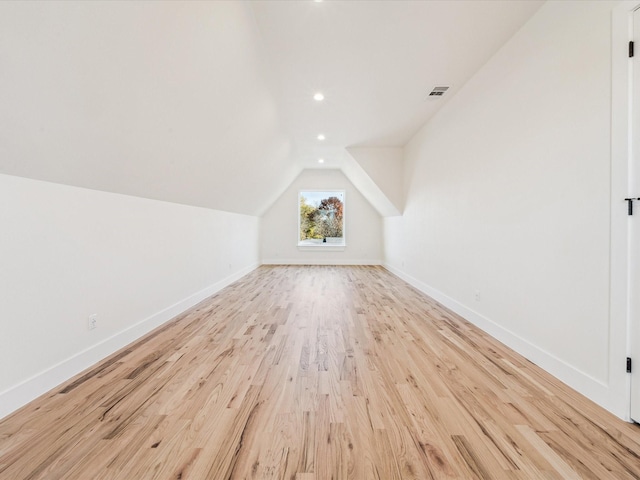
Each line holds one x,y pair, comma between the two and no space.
210,103
166,100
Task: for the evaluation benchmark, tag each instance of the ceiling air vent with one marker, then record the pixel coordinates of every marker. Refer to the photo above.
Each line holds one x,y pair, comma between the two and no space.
437,92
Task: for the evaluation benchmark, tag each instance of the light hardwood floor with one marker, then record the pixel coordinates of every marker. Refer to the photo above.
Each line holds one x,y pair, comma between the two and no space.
316,373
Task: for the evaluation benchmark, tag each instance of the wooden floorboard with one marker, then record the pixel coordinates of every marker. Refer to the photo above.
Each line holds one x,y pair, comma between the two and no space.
316,373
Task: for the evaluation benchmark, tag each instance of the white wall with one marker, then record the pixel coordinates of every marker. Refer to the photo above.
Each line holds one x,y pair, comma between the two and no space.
508,194
279,225
384,166
68,252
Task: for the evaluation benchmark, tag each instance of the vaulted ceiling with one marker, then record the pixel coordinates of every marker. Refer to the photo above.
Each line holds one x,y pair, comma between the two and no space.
211,103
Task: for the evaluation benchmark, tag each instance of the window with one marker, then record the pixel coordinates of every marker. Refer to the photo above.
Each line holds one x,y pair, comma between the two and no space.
321,218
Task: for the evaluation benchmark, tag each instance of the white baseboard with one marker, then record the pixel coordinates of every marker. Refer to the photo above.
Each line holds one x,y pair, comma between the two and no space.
590,387
33,387
319,261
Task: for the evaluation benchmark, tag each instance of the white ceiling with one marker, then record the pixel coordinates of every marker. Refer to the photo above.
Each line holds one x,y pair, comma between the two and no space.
375,62
210,103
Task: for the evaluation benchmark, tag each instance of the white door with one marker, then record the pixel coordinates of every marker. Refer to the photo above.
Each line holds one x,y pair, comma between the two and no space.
634,223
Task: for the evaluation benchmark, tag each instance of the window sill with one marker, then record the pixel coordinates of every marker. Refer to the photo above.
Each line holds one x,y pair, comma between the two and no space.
322,247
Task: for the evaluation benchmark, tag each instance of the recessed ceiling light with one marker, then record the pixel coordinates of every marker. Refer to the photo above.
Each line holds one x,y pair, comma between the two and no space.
318,97
321,160
321,136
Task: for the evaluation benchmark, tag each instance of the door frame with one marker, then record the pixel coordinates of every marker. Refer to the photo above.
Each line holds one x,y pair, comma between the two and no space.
620,285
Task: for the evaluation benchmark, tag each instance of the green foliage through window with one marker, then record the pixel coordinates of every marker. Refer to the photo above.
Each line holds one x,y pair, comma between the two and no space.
321,216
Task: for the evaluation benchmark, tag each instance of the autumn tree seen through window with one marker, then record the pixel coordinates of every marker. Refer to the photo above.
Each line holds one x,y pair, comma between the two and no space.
321,218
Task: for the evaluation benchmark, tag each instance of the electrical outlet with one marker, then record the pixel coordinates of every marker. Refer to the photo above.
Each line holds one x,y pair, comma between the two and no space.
93,321
476,295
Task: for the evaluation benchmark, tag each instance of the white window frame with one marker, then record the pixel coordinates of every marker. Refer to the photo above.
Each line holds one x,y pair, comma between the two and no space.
321,246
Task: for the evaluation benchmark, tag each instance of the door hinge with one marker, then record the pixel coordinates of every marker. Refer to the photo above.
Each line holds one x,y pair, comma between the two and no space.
629,205
628,365
630,49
